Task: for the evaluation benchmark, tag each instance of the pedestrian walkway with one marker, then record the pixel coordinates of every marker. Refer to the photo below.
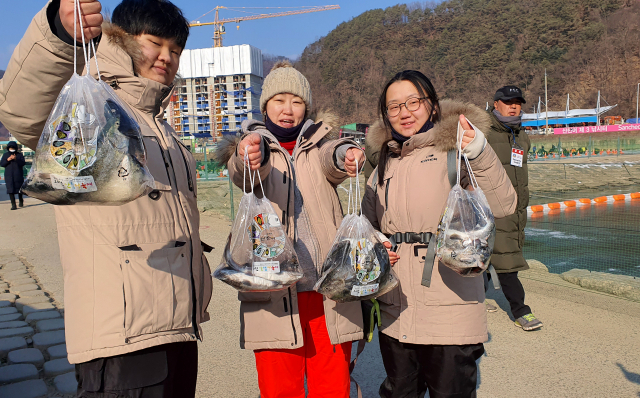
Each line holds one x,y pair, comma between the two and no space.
33,353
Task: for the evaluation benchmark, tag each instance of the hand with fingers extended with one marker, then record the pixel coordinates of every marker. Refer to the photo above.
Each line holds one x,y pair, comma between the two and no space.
393,256
251,145
91,18
473,141
353,155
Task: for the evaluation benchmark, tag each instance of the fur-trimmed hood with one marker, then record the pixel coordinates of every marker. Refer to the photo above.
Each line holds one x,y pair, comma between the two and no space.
444,131
227,145
127,42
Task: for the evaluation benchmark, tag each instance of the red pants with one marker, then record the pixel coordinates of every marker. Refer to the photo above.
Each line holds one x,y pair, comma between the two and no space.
281,372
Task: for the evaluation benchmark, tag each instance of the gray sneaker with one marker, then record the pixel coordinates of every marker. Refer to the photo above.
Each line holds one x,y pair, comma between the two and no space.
528,322
490,307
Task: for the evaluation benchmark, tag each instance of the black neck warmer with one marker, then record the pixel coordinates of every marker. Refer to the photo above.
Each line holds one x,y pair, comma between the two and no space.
510,121
283,134
401,139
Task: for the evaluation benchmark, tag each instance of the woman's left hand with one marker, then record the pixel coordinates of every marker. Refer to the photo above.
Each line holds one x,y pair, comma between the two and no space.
350,158
469,132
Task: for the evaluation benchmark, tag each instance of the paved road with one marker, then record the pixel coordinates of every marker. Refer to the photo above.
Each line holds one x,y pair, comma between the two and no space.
588,347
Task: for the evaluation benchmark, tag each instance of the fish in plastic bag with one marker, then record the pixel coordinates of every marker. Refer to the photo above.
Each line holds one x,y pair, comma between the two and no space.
91,150
357,267
258,256
467,229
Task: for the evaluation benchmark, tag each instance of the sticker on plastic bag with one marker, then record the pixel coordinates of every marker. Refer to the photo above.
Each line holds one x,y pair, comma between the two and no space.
367,290
74,184
266,266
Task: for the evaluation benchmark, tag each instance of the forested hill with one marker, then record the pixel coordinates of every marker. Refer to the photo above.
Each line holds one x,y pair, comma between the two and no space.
469,48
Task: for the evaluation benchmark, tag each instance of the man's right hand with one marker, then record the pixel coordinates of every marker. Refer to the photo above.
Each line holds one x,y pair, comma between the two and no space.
91,18
252,145
11,157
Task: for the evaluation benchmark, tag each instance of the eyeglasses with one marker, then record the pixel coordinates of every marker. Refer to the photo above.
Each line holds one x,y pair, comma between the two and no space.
412,105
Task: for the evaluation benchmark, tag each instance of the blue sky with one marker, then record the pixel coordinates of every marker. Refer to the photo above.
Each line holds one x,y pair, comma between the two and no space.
286,36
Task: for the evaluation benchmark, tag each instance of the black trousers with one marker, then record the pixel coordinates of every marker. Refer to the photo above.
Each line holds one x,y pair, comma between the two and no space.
514,293
12,197
164,371
446,371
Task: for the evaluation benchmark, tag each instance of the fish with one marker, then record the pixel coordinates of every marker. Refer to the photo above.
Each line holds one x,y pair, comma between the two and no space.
467,253
114,175
242,278
340,279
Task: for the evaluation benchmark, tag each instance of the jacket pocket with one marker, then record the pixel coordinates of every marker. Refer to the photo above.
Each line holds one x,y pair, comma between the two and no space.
450,288
189,165
254,296
157,290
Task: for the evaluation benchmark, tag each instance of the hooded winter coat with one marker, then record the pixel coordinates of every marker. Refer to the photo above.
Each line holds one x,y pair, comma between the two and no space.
507,251
412,199
135,276
270,320
13,173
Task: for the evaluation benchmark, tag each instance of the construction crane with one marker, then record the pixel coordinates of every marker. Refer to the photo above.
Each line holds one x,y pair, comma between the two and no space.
219,23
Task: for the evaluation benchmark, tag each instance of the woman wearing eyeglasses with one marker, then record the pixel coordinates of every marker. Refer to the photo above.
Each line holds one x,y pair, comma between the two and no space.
434,325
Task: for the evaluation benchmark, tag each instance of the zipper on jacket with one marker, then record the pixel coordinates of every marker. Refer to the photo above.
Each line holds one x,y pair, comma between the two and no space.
194,317
186,165
295,335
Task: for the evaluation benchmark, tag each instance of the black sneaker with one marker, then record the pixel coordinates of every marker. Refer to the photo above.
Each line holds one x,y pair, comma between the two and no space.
528,322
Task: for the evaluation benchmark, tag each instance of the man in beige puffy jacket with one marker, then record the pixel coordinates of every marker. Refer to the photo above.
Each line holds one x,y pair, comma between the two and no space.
136,281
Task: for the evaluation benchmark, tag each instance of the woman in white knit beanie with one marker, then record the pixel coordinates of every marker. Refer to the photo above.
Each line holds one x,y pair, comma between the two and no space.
297,332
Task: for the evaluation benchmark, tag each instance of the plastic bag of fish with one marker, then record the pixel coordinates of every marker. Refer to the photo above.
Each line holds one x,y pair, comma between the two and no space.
90,151
258,256
467,229
357,267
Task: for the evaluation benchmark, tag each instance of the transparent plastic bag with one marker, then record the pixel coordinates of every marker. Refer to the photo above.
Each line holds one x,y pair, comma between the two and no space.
259,256
467,229
357,267
91,149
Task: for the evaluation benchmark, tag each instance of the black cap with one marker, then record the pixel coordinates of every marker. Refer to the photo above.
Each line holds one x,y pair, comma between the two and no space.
509,92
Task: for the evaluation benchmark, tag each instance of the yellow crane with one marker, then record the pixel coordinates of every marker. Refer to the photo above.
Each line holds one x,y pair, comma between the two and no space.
219,23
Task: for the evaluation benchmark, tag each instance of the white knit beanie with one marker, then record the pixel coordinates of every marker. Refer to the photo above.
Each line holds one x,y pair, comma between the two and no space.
284,78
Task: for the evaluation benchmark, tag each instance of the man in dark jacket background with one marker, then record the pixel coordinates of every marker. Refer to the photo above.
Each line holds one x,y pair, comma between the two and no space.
13,162
511,143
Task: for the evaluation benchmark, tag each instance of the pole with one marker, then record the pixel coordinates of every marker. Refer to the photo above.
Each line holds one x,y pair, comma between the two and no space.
546,108
637,98
233,213
206,166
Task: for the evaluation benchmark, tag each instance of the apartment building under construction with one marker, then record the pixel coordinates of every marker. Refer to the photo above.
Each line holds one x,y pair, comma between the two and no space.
219,88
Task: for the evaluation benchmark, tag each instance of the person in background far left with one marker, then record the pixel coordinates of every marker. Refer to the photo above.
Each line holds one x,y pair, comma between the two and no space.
13,163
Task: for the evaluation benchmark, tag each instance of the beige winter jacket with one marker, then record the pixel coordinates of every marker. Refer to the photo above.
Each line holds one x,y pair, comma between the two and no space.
117,299
269,320
412,198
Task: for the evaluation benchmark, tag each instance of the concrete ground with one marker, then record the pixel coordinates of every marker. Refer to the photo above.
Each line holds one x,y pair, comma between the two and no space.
588,347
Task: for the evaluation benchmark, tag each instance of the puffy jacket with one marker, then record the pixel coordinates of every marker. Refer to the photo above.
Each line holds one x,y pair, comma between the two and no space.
13,169
412,199
135,275
270,320
507,252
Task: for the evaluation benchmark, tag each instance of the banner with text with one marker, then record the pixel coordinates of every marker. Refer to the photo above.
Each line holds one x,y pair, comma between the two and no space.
597,129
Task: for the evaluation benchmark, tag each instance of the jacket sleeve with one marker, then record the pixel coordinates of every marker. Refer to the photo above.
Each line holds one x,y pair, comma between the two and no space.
495,183
20,159
4,162
40,65
328,162
236,167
